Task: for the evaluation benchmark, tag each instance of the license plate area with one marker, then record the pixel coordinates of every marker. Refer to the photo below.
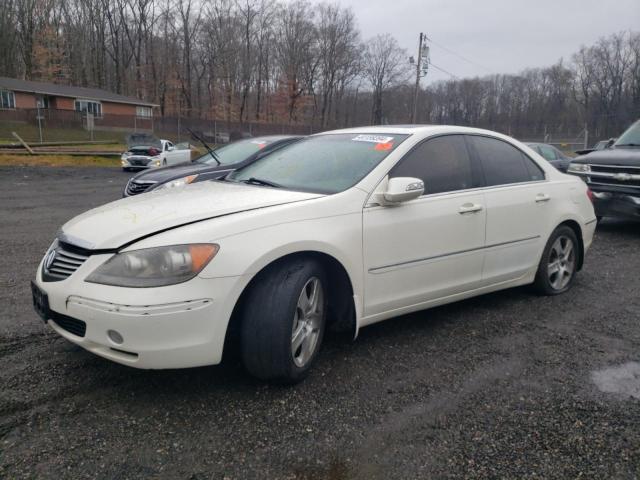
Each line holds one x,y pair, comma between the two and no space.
40,302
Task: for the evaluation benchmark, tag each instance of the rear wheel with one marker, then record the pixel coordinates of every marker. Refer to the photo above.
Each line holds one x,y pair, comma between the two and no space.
559,262
283,321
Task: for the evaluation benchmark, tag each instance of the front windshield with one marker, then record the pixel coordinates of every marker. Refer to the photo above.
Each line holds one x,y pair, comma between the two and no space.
631,137
323,163
235,152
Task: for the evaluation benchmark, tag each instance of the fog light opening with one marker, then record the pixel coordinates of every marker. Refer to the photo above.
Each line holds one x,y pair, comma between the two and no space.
115,337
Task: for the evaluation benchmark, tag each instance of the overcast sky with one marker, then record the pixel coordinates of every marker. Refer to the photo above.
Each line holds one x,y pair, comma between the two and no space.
500,36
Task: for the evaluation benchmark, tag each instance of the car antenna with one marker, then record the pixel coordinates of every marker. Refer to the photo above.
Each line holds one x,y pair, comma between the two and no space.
209,149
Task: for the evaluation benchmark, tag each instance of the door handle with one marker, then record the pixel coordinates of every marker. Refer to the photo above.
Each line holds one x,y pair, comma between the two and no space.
542,197
469,208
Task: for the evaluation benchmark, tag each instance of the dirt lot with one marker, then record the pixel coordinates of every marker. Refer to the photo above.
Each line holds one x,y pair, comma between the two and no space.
501,386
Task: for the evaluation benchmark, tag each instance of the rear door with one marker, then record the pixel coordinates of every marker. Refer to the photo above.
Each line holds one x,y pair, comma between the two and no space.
430,247
518,200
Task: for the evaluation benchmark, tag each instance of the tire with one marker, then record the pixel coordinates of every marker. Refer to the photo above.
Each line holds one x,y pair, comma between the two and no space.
599,218
272,318
559,262
126,169
164,162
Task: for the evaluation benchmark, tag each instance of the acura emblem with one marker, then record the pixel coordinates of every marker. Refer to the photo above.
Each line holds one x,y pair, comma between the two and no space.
51,256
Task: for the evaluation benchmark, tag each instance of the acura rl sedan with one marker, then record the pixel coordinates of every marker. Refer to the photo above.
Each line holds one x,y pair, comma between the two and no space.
339,230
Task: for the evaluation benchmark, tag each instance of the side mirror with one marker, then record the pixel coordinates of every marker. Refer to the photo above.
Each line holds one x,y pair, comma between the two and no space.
401,189
610,143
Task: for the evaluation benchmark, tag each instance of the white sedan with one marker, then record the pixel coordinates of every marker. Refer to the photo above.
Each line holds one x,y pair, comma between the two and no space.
154,153
340,230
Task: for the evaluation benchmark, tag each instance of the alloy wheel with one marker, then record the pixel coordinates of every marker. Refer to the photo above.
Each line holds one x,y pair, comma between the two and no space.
307,322
562,262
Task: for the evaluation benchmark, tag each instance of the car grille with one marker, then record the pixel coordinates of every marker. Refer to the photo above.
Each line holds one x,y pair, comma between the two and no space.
138,161
134,187
614,175
63,264
71,325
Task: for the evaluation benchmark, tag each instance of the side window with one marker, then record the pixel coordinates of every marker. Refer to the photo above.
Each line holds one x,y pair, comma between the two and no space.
442,163
503,163
548,152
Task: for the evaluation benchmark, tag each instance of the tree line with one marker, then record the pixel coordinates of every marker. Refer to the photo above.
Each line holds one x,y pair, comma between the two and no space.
297,62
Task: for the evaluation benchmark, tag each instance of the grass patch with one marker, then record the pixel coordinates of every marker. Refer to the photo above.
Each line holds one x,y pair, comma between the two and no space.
58,161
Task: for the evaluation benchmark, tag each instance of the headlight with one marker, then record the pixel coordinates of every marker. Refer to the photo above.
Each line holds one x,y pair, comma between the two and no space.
579,168
157,163
154,267
180,182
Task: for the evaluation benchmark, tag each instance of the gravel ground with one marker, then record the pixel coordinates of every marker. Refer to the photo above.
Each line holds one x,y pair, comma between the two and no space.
508,385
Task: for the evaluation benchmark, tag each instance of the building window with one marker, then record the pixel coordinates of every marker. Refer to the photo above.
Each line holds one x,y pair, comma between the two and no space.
7,99
144,112
89,106
42,101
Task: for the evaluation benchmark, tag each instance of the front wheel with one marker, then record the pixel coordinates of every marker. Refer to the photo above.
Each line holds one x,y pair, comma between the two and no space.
559,262
283,321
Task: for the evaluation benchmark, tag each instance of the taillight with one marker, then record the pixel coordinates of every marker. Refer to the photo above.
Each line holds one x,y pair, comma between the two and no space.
154,151
590,195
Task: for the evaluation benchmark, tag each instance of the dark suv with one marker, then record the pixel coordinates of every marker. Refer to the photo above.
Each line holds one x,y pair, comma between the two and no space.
613,175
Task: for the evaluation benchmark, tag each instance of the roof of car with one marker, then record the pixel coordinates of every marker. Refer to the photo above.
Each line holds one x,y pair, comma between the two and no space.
412,129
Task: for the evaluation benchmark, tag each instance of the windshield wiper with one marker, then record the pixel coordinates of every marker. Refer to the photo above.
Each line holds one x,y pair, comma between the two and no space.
628,145
209,149
259,181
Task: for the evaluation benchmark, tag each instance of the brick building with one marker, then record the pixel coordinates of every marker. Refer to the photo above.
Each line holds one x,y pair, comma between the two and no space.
22,100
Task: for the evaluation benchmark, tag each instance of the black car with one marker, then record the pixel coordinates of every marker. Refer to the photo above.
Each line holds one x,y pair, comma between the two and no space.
216,164
554,156
613,175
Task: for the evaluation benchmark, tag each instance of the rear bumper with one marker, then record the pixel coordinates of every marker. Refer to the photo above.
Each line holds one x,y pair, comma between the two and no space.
609,204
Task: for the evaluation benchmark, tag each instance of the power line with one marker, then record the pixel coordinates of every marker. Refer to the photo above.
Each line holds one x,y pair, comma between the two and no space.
444,71
462,57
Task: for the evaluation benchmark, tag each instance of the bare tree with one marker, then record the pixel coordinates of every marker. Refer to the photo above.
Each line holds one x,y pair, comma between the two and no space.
385,65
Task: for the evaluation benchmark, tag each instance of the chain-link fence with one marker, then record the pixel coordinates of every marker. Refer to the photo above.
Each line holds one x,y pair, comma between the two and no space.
51,125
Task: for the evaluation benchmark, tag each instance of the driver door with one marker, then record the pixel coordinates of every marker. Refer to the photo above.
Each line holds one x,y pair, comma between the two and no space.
430,247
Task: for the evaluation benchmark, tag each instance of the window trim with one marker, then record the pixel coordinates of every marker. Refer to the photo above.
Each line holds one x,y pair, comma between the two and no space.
145,117
371,203
88,100
12,97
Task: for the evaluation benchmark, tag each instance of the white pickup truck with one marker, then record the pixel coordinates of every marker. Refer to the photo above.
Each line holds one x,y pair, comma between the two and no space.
147,151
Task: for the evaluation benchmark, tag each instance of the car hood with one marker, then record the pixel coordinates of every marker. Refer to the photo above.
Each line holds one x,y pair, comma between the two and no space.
122,222
177,171
626,156
142,140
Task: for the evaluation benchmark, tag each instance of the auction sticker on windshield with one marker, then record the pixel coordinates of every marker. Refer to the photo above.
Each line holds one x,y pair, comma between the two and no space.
373,139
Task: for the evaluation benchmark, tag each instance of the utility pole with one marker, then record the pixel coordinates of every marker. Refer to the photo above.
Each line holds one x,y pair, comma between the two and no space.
422,66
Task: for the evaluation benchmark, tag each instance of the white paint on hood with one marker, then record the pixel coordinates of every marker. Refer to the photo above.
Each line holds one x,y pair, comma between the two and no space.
122,221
